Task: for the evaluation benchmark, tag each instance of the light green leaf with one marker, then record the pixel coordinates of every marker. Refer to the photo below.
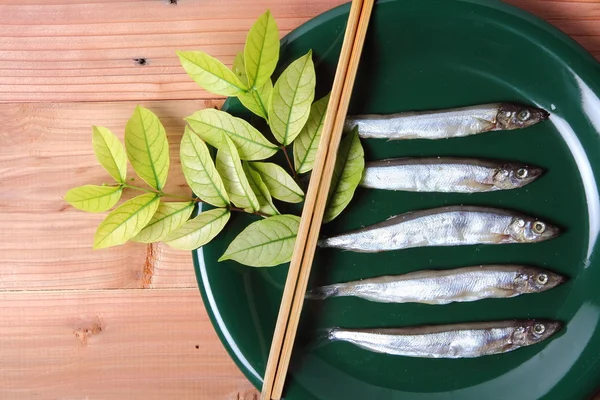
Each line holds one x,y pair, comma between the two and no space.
257,100
167,218
280,184
199,231
93,198
200,172
147,147
261,51
126,221
265,243
110,153
212,125
260,190
236,184
307,142
239,68
210,73
292,96
347,174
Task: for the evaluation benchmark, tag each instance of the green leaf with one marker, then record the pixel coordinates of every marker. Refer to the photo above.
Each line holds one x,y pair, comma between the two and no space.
110,153
167,218
239,68
199,231
93,198
280,184
292,96
260,190
126,221
147,147
210,73
261,51
200,172
257,100
307,142
236,184
213,125
347,174
265,243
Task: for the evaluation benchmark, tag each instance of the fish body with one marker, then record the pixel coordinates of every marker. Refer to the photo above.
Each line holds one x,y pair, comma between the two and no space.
449,341
446,286
444,226
443,124
447,174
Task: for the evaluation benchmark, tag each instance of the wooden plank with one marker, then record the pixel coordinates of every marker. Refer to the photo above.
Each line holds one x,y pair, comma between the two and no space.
113,344
46,244
48,52
62,50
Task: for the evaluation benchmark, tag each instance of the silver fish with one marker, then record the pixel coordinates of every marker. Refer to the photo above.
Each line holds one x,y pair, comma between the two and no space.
449,341
444,226
446,286
447,174
442,124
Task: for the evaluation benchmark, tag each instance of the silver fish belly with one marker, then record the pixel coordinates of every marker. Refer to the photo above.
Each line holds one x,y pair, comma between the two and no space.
449,341
442,124
446,286
445,226
447,174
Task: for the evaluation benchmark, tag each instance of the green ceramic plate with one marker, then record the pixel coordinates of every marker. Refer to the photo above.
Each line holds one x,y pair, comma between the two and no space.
428,54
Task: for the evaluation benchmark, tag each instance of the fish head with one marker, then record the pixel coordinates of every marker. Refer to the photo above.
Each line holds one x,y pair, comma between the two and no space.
534,331
515,175
535,280
514,116
530,230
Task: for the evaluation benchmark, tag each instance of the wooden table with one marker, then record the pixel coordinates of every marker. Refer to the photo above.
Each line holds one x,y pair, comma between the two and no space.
127,322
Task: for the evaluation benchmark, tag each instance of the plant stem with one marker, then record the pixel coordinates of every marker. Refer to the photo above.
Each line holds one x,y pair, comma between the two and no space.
289,161
196,200
262,214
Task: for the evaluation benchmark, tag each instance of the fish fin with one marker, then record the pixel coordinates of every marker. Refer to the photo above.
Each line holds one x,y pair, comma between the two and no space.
323,292
322,337
481,187
322,243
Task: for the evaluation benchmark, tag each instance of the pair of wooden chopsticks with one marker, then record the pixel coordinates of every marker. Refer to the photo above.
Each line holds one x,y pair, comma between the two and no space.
315,202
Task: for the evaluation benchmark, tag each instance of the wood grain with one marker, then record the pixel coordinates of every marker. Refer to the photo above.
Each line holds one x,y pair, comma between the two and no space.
117,344
61,50
97,334
86,50
46,150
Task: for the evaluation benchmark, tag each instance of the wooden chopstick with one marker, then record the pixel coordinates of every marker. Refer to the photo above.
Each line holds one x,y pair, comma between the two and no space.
322,197
310,200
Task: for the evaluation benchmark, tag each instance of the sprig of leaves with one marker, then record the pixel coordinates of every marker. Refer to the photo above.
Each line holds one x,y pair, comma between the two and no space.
240,178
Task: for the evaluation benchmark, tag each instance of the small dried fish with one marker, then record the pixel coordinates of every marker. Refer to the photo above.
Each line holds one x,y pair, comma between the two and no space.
445,226
446,286
449,341
442,124
447,174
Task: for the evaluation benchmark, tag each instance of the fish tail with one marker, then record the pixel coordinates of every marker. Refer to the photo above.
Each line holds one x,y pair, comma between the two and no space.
334,241
323,292
322,337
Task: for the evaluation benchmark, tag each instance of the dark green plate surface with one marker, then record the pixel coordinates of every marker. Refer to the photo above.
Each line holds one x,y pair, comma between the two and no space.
428,54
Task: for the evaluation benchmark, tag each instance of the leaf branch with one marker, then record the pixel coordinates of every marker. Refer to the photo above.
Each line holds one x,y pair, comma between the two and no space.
194,199
289,161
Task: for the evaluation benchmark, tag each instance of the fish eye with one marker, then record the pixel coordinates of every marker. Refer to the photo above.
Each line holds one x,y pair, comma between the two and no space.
539,227
539,329
522,173
524,115
542,279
